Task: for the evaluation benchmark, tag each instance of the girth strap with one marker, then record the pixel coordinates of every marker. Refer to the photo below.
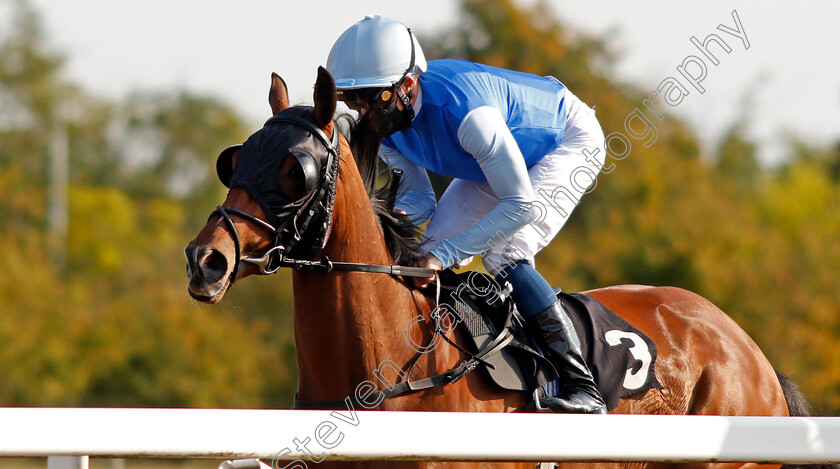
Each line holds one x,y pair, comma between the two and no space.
451,376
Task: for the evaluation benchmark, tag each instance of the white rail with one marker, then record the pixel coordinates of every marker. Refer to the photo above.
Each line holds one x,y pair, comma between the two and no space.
356,435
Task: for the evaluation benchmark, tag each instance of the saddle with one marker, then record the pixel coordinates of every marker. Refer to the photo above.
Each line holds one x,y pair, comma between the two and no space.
620,356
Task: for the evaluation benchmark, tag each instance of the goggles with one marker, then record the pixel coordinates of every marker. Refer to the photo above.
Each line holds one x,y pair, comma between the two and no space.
365,97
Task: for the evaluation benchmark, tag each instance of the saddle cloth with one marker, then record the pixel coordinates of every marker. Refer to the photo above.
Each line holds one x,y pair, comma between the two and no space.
620,356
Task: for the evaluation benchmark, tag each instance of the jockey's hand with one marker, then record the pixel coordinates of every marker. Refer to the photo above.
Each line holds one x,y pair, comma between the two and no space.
400,215
429,261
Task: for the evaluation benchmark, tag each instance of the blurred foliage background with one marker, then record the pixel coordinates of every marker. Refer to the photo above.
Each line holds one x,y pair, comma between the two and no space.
94,309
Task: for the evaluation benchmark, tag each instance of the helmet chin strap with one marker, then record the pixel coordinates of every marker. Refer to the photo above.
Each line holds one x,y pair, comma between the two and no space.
406,100
401,119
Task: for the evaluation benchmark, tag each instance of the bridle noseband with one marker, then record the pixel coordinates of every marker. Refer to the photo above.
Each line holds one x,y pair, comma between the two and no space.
316,206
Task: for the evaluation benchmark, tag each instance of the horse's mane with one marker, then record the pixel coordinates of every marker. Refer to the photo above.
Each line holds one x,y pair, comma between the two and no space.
401,236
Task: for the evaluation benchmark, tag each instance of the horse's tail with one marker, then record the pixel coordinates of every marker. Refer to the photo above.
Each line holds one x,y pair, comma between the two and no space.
798,406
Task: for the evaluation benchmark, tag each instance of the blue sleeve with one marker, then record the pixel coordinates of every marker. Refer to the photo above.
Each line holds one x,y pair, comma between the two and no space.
484,134
416,195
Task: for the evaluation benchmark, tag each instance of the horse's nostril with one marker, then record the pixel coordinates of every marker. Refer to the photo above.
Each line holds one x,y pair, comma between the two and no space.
214,265
188,253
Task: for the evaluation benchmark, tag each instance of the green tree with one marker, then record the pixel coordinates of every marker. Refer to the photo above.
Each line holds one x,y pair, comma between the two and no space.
738,159
114,325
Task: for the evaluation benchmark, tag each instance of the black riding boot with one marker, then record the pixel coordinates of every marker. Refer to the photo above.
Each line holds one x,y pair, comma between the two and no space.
579,394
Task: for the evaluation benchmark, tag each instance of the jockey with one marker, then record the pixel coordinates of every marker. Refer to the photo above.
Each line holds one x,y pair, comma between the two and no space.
504,137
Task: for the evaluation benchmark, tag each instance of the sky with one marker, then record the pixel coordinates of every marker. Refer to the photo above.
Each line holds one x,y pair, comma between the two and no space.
789,75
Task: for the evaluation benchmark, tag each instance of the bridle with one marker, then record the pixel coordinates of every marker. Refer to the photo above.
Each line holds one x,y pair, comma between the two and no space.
287,234
316,206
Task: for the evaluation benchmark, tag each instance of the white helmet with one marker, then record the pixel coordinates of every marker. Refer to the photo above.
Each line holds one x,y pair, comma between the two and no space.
375,52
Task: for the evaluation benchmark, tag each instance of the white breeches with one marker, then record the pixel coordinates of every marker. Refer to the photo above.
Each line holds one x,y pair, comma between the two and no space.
560,179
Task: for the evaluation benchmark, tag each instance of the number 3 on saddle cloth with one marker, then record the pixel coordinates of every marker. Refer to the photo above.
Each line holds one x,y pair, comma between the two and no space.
620,357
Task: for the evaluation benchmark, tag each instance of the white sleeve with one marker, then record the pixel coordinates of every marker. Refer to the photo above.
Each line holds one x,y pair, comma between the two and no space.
416,195
485,134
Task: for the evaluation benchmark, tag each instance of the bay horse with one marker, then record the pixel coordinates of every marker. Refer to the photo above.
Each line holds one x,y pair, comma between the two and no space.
348,323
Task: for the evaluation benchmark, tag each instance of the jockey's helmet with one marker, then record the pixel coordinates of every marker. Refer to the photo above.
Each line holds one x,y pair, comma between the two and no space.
376,52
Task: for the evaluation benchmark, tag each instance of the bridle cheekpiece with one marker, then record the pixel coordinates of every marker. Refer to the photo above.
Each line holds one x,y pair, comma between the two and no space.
289,220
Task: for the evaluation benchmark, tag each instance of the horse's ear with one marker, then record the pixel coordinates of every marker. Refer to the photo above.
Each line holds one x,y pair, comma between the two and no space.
278,96
324,97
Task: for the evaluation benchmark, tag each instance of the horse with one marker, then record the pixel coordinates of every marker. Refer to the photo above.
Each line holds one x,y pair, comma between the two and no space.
352,326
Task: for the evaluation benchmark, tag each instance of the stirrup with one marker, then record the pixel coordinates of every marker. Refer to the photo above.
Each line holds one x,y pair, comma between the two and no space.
537,404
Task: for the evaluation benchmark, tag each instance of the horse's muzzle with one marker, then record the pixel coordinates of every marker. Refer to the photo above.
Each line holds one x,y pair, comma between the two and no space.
208,271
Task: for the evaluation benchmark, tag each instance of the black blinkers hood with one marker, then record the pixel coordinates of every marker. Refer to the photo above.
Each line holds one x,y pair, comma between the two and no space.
224,164
294,132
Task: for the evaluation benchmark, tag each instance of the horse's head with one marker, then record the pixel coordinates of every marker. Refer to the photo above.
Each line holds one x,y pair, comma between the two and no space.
282,184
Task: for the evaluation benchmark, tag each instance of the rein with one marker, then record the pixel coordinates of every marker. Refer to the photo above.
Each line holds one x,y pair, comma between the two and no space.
267,267
325,265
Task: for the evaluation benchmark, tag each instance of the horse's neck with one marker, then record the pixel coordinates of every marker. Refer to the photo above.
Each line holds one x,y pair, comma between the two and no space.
348,323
